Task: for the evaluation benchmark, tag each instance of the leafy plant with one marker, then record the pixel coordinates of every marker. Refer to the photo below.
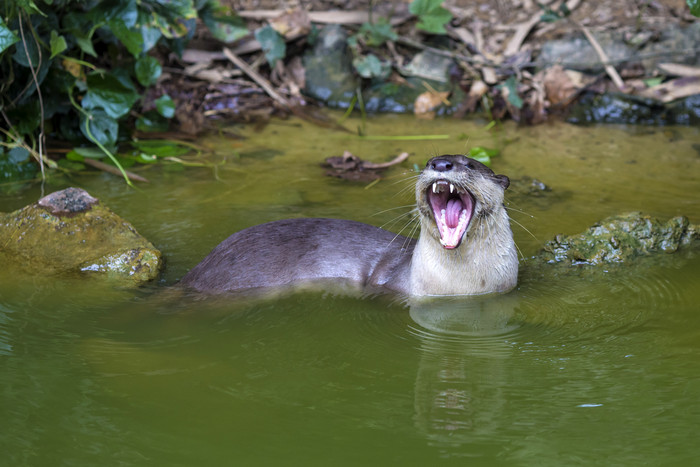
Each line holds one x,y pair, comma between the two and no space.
76,70
431,15
377,33
511,85
694,6
369,66
272,44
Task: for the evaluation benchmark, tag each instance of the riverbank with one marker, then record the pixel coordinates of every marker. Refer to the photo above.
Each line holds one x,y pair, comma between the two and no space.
522,60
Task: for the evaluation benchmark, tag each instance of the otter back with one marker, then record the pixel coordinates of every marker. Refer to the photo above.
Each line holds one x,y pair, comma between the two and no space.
298,252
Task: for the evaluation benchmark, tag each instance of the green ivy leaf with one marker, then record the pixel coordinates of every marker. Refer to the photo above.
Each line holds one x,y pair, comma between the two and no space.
377,33
105,91
165,106
23,56
57,43
17,155
151,121
512,85
160,148
100,128
79,154
483,154
7,37
150,37
129,37
432,16
694,6
223,25
147,70
272,44
370,66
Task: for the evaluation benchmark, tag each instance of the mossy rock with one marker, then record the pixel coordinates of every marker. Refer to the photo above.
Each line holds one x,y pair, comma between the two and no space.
71,231
621,238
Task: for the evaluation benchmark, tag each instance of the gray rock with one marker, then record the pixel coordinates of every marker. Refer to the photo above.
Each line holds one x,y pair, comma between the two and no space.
576,52
330,76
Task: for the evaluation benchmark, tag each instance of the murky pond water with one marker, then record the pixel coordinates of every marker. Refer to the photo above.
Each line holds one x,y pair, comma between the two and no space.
569,369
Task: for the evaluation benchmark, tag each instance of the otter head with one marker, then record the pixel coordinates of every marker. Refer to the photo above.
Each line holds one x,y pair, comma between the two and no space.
454,190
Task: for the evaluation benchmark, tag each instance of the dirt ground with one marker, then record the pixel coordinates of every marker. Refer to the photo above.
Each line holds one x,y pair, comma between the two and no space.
210,85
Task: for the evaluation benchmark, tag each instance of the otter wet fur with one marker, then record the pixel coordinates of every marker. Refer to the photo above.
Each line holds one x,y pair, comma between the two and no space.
465,245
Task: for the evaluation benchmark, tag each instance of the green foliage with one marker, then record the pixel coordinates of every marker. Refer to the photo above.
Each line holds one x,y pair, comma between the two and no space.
222,24
550,16
369,66
431,15
694,6
165,106
272,44
84,65
147,70
377,33
483,154
15,164
511,84
7,37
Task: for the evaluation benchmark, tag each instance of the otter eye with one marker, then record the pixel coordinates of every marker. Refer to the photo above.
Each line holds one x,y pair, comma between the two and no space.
470,165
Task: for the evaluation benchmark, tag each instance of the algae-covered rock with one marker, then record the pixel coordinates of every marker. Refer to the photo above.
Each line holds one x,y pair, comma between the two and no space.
69,230
621,238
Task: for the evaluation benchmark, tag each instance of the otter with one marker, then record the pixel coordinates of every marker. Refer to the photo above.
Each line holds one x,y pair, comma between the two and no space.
465,246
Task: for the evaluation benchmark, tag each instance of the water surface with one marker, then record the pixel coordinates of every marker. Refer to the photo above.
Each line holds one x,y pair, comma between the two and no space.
571,368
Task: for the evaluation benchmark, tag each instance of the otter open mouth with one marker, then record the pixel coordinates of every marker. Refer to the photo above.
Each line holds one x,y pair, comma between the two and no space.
452,208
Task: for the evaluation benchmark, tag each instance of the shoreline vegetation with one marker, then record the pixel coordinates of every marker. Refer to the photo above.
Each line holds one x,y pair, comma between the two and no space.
110,85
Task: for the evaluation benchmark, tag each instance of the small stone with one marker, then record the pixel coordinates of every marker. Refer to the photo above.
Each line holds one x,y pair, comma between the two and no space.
68,201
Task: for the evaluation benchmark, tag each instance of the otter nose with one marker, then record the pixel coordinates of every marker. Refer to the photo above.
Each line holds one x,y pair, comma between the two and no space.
441,165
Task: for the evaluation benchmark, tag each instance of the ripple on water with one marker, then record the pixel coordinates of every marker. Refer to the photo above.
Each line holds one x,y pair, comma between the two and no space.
479,325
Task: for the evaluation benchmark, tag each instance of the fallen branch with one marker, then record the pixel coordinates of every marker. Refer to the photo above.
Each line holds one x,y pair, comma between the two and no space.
113,170
521,32
255,76
609,69
383,165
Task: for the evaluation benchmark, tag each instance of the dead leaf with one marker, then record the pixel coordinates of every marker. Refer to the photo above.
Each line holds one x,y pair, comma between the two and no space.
488,74
676,69
426,103
559,89
201,56
292,24
674,89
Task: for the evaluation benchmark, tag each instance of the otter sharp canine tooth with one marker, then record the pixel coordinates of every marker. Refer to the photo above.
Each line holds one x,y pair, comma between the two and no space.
452,188
435,187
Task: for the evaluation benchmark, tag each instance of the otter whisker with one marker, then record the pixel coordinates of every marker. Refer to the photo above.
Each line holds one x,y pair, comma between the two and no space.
396,219
524,228
393,209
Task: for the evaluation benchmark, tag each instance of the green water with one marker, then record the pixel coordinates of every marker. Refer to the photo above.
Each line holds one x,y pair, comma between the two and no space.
568,369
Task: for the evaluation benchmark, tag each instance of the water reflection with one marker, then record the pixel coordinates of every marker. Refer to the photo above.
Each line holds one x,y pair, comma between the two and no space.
459,391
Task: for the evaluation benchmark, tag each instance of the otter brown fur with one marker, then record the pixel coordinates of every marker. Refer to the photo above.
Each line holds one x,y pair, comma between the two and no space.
465,245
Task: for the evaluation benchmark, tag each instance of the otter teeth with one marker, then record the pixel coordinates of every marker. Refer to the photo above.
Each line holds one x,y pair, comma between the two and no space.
452,188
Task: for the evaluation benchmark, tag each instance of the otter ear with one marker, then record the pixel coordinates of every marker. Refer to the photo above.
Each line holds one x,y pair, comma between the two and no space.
502,180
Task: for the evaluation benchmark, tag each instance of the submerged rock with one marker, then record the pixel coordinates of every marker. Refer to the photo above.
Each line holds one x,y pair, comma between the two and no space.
621,238
71,231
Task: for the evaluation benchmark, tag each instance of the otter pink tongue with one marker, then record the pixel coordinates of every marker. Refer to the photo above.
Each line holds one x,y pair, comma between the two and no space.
452,212
452,216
